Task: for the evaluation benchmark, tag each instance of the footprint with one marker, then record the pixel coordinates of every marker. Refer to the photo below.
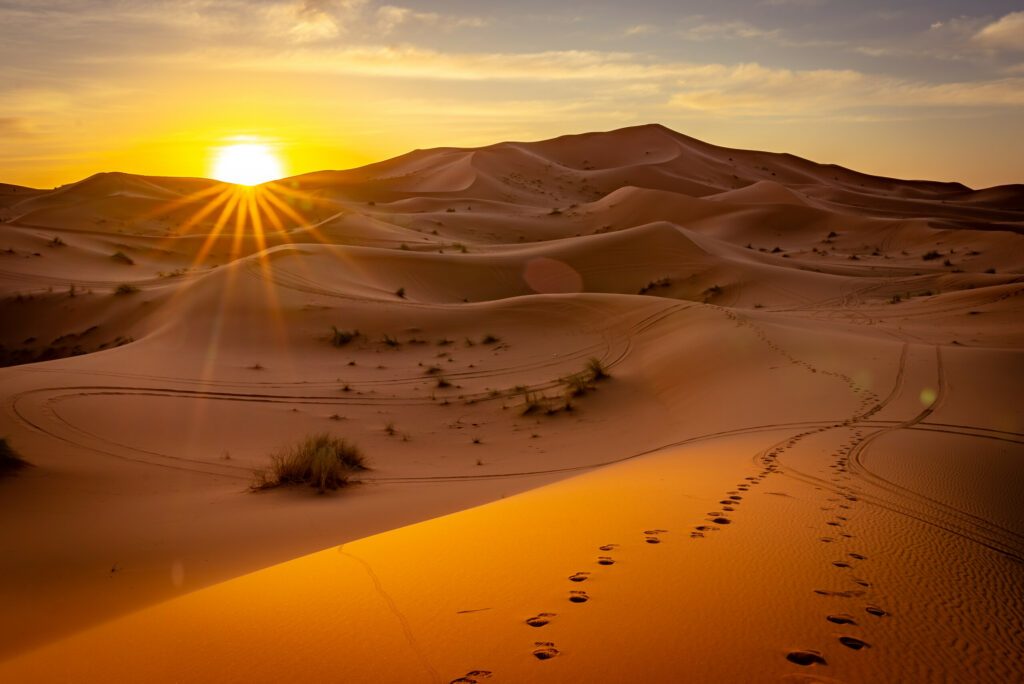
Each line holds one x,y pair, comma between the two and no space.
858,556
579,577
652,532
842,619
540,619
876,611
578,596
545,650
607,547
721,521
853,642
472,677
827,540
605,560
863,583
806,658
841,564
652,540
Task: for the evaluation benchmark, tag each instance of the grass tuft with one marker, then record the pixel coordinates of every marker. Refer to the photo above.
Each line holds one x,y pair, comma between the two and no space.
125,289
597,370
10,459
319,460
339,338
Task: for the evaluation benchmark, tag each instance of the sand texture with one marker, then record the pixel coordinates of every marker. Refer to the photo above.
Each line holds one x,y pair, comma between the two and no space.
806,464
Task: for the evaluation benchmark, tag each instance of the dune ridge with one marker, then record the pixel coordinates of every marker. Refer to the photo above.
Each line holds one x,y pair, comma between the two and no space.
805,464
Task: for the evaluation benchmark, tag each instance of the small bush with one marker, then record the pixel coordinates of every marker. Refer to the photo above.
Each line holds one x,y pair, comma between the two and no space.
126,289
319,460
576,384
712,291
931,256
490,339
400,293
339,338
597,370
442,383
9,458
123,258
390,341
531,403
56,242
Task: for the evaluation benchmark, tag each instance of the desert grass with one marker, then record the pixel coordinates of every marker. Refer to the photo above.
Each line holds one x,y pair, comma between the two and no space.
597,370
126,289
10,460
339,338
320,460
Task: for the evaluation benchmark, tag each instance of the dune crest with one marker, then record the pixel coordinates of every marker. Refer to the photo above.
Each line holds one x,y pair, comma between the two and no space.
634,407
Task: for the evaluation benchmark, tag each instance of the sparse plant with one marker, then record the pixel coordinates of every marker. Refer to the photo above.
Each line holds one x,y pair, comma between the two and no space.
576,384
390,429
597,369
390,341
531,403
339,338
319,460
931,256
9,458
125,289
123,258
442,383
400,293
432,370
57,242
490,339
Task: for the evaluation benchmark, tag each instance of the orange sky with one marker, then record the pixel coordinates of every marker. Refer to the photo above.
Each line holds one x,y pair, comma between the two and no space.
928,89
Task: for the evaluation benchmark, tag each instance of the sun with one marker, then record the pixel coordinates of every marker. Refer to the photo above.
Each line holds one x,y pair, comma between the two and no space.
246,163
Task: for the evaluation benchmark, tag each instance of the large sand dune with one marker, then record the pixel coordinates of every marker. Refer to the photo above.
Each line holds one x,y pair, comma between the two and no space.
807,463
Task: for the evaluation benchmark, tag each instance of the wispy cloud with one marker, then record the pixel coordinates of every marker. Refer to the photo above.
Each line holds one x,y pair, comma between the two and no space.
1005,34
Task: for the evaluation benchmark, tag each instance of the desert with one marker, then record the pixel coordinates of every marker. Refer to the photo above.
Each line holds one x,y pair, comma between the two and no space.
628,406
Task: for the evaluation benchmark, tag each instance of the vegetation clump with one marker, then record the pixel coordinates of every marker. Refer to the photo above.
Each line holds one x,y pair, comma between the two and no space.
10,460
931,256
339,338
660,282
597,370
320,460
126,289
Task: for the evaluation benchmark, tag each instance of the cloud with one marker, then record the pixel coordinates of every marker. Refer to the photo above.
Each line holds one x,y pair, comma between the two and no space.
1005,34
728,29
640,30
752,89
390,17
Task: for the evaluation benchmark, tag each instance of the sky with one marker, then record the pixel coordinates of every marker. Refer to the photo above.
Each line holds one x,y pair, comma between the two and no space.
916,89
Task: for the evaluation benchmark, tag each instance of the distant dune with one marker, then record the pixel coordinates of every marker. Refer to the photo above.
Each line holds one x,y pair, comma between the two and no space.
806,463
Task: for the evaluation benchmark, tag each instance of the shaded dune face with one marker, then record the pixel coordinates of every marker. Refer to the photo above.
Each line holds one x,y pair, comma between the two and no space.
696,414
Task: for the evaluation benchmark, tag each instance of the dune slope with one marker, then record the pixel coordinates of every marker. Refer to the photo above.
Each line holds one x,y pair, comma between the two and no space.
804,462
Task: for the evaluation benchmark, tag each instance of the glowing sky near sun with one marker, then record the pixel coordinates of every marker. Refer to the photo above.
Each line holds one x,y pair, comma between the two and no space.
916,88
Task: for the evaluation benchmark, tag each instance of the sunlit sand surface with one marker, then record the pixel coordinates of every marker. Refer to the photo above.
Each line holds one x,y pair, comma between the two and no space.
806,463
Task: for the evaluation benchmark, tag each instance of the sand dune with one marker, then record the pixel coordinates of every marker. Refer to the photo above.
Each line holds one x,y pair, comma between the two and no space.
805,465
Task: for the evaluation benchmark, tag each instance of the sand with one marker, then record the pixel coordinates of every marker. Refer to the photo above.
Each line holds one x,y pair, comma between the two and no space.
806,463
